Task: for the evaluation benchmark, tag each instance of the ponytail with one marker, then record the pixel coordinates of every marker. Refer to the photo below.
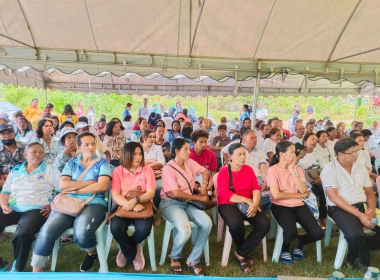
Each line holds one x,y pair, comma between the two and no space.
273,131
281,147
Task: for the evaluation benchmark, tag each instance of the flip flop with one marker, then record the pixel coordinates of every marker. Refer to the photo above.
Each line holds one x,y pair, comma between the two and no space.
192,269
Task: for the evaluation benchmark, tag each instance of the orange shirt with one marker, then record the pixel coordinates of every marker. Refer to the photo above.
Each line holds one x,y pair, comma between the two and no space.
33,114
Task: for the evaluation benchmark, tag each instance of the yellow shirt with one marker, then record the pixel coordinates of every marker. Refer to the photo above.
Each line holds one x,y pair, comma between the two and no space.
33,114
63,118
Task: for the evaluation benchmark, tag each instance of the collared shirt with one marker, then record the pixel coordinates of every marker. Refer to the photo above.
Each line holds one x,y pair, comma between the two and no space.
350,186
18,156
155,153
254,159
115,144
173,180
294,139
269,146
219,142
260,141
27,138
61,160
144,112
74,169
50,153
261,113
124,181
171,136
31,191
364,158
327,153
312,159
331,144
212,134
125,113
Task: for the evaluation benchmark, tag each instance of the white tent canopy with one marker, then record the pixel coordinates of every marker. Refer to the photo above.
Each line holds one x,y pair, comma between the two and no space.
227,42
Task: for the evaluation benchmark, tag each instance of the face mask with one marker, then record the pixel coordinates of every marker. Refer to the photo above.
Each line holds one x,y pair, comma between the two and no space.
8,142
182,124
320,127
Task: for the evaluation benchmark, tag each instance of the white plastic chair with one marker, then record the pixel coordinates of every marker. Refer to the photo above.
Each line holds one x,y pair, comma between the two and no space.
100,240
194,231
280,239
12,229
377,165
342,243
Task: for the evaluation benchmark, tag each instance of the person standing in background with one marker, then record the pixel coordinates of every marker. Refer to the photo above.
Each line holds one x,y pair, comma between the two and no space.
80,111
127,110
261,112
144,110
297,106
310,111
33,113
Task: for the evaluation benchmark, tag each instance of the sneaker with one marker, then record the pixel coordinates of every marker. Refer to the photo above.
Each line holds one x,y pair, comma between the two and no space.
286,258
298,254
3,265
88,262
121,261
67,239
139,261
14,267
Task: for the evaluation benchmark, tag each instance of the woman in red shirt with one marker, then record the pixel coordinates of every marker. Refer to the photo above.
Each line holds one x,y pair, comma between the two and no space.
245,190
132,174
287,187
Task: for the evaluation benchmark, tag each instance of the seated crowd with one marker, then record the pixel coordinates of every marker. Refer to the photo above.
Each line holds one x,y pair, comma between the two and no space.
173,161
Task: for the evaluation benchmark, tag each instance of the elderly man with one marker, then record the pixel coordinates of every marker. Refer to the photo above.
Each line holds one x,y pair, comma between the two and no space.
300,132
11,151
351,202
145,110
261,112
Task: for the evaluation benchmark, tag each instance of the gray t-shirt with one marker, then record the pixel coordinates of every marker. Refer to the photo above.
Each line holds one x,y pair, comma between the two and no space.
145,112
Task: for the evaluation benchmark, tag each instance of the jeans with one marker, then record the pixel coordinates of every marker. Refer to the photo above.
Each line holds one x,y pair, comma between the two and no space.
157,197
84,227
318,191
128,244
29,223
180,214
287,218
359,243
234,219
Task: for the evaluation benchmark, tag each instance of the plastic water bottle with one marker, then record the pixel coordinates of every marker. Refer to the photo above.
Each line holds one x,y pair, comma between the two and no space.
337,275
374,221
371,274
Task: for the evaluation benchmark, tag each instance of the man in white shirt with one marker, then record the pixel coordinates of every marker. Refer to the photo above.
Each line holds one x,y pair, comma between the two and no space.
300,132
348,187
145,110
261,112
309,127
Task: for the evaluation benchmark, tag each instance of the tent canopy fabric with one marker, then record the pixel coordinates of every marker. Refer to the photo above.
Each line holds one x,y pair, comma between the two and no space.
221,39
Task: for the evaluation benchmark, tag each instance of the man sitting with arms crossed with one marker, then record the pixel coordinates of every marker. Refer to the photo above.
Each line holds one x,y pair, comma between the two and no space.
348,188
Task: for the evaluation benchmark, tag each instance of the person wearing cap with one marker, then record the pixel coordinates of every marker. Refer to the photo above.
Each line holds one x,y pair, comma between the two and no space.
145,110
24,131
245,190
67,140
11,151
100,147
33,113
44,136
25,201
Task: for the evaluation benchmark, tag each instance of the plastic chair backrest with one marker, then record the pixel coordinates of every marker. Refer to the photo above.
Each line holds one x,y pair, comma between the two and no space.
215,180
377,165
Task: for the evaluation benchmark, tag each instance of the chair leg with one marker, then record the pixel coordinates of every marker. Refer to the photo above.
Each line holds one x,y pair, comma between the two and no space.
329,225
273,226
54,255
100,250
265,252
165,242
215,215
219,235
194,234
341,251
152,250
226,247
206,250
278,244
318,244
109,238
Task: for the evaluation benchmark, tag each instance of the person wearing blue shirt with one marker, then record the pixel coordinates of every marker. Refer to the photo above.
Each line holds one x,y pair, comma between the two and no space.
25,200
127,110
174,133
93,185
245,113
192,116
156,108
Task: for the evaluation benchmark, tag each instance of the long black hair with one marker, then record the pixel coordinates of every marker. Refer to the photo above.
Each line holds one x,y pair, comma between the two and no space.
249,108
177,144
179,131
68,110
41,123
281,147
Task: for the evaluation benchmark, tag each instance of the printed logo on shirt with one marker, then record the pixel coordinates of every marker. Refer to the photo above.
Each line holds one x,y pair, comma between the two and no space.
40,177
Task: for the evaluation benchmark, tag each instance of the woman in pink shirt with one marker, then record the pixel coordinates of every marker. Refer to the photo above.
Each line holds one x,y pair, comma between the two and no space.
287,187
178,182
246,190
132,174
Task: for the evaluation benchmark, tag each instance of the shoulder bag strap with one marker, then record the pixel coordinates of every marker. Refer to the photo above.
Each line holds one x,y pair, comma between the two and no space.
230,175
9,157
88,168
188,184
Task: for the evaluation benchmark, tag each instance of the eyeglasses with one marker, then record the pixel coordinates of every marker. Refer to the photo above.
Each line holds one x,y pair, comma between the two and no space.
352,153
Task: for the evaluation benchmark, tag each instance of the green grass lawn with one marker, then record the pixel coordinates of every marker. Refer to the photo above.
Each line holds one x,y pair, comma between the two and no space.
70,257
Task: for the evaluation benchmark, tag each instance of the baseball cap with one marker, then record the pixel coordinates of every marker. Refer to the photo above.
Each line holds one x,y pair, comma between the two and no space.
81,125
8,127
64,131
4,116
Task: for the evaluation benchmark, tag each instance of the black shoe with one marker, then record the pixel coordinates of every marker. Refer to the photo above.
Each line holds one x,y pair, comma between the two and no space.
351,261
3,265
363,267
88,262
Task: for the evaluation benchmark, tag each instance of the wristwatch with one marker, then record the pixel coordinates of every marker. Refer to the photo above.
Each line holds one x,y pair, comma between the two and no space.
137,198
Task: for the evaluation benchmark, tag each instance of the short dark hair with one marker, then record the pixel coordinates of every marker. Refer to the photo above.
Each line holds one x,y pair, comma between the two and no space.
187,131
159,120
263,125
307,135
140,120
66,123
129,104
157,126
153,115
329,123
83,119
32,145
344,144
27,124
246,119
177,144
127,118
366,132
222,127
354,131
198,134
145,134
356,135
273,131
357,124
178,124
281,147
309,123
41,123
110,127
319,133
331,128
84,134
233,147
258,123
126,156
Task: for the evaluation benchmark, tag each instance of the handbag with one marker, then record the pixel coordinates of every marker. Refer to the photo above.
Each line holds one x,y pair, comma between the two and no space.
311,201
69,205
312,173
147,212
243,207
198,204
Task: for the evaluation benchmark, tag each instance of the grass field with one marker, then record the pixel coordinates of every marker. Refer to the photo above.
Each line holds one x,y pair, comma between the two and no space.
70,257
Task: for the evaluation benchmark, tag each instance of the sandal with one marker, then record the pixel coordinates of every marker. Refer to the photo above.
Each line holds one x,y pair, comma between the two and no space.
192,269
176,269
250,260
242,263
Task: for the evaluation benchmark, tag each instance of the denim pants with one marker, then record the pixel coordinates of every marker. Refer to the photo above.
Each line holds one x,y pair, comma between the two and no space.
28,224
84,227
128,244
180,214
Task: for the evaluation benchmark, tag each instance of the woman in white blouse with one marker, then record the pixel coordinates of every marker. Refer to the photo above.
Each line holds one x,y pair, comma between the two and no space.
363,156
269,146
322,147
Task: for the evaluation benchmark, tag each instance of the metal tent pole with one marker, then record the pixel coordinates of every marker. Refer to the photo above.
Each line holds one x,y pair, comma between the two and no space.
207,104
256,92
356,106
